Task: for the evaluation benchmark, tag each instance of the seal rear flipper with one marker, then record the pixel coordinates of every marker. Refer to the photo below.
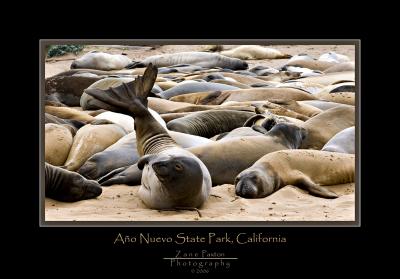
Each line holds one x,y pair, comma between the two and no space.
315,189
132,176
131,97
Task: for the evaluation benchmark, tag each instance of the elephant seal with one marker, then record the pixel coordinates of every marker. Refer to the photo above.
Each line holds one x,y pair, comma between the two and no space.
247,52
319,104
232,83
281,76
209,123
68,113
331,78
254,94
120,154
263,70
194,87
279,110
67,88
90,139
342,142
101,61
58,142
125,121
68,186
203,59
324,126
165,106
348,98
248,80
181,68
71,124
307,169
226,159
238,132
341,67
166,166
315,65
334,57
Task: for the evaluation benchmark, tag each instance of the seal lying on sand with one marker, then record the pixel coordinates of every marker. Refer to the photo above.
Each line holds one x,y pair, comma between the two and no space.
307,169
167,168
343,142
203,59
68,186
101,61
254,52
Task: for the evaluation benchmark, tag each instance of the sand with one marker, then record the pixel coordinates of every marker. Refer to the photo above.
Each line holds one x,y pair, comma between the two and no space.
121,203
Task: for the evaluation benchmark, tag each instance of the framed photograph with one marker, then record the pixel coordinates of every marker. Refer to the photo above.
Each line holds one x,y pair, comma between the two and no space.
202,135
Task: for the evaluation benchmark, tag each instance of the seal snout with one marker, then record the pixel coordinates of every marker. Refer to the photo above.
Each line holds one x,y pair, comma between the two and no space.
246,188
161,168
74,65
93,190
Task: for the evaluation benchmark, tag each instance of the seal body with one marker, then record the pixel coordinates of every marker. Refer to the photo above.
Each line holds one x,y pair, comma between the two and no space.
343,142
254,52
91,139
58,142
203,59
307,169
101,61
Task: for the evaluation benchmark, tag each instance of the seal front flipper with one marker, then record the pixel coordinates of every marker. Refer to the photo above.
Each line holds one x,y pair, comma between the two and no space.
314,189
145,160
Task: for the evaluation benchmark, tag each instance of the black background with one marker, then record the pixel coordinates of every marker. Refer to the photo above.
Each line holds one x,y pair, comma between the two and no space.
65,250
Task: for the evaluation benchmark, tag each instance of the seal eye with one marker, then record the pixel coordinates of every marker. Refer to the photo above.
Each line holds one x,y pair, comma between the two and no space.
178,167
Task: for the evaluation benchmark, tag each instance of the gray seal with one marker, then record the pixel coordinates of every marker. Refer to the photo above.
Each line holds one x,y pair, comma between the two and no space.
167,167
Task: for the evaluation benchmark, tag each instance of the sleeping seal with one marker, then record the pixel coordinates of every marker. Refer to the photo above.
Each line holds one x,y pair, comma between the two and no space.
68,186
203,59
101,61
307,169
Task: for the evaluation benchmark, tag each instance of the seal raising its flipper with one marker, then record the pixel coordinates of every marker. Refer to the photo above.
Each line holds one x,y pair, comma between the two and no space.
166,167
307,169
68,186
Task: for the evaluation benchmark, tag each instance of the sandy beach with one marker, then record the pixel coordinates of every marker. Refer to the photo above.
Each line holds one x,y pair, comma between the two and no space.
121,203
